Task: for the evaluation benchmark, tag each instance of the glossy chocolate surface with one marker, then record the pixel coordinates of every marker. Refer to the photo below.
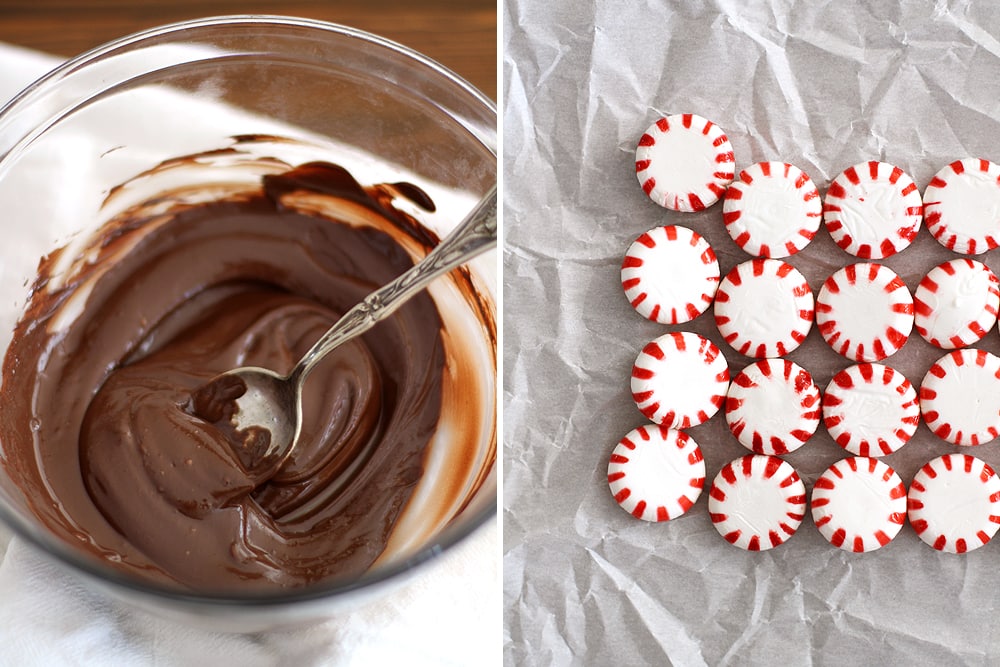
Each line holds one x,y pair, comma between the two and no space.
98,430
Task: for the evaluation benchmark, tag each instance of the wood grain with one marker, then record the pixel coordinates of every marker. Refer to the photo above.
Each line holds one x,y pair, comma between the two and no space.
460,34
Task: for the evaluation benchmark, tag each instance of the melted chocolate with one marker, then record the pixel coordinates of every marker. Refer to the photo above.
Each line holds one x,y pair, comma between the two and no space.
115,459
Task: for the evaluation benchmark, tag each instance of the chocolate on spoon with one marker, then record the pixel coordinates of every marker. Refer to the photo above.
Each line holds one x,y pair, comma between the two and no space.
261,411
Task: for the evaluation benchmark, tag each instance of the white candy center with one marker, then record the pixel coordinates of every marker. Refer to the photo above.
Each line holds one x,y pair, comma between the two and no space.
757,505
683,160
762,308
970,204
773,408
870,411
872,210
675,275
696,389
960,300
862,311
659,472
967,398
773,211
956,504
860,504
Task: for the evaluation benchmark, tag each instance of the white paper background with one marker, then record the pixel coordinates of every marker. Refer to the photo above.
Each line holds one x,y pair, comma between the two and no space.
822,85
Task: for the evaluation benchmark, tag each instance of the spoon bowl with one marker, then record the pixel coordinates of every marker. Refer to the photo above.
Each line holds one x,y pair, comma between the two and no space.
261,411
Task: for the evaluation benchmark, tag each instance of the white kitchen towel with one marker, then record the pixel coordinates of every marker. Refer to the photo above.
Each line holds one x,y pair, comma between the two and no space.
450,615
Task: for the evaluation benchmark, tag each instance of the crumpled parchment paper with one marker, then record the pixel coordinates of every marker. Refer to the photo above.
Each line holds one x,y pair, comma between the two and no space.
822,86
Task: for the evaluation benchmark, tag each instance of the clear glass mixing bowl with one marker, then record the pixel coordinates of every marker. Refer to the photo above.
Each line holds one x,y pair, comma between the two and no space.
100,133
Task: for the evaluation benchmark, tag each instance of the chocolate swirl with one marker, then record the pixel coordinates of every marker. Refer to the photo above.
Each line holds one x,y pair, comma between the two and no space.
103,368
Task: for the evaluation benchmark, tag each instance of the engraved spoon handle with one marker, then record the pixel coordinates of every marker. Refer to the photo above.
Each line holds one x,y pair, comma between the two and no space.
473,236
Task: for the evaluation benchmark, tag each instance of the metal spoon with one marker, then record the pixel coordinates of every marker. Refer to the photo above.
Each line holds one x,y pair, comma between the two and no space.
268,406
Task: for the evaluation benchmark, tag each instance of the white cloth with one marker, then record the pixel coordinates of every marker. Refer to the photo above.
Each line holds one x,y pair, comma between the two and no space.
48,616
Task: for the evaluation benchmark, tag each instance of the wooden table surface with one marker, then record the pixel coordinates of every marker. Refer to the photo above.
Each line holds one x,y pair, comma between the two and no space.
460,34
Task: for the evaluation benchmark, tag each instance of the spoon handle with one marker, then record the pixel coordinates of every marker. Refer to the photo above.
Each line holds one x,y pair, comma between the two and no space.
473,236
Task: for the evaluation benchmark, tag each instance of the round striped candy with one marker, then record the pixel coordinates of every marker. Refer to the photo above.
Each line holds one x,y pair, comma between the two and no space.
870,409
757,502
864,312
773,407
859,504
764,308
959,397
962,206
679,380
656,473
954,503
956,303
873,210
684,162
772,210
670,274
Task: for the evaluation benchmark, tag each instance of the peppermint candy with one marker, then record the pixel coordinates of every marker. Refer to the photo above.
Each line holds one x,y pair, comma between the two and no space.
670,274
873,210
656,388
684,162
963,206
956,303
764,308
954,503
859,504
870,409
757,502
773,407
772,210
864,312
959,397
656,473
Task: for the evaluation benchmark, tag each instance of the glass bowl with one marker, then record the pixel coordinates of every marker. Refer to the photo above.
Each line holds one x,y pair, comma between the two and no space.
224,100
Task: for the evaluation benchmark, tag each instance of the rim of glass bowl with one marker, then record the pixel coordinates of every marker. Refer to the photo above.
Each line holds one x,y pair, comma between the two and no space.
446,539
